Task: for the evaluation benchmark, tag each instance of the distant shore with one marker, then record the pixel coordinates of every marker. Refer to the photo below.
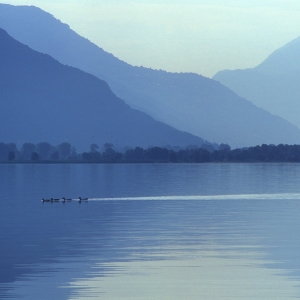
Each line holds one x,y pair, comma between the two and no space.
257,154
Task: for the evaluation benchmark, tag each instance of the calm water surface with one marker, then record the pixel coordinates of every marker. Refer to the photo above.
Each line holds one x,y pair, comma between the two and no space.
150,231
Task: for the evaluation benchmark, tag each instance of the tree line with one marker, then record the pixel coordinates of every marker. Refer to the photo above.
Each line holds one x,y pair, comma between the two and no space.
37,152
64,152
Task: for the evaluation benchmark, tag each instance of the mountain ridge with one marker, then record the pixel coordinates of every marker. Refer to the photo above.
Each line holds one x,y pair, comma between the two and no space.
189,102
43,100
273,84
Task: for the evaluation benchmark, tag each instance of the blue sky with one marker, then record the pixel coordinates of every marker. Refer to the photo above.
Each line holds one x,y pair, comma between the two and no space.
202,36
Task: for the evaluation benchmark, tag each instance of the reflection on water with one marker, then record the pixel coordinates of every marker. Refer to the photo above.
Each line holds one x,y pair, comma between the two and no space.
205,275
214,231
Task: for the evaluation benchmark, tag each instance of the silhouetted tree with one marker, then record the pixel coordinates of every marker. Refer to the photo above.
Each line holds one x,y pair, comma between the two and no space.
11,156
94,155
73,154
224,147
157,154
55,155
44,149
86,156
182,156
34,156
109,155
136,154
173,157
5,149
27,150
200,155
64,150
12,147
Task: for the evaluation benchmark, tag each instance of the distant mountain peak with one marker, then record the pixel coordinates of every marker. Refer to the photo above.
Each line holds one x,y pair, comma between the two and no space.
43,100
272,85
283,60
189,102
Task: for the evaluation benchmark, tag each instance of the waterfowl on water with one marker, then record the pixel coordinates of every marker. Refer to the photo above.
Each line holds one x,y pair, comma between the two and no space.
54,200
82,199
64,199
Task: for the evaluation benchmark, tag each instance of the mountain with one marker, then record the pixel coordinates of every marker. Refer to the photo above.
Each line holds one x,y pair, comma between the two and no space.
272,85
43,100
185,101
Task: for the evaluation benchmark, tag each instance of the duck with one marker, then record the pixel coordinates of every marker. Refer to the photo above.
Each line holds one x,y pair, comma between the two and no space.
54,200
82,199
64,199
45,200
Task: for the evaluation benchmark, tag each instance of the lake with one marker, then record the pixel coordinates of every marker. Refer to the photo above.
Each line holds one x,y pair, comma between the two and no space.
150,231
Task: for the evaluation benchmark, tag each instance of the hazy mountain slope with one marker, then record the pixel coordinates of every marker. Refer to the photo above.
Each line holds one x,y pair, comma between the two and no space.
272,85
188,102
43,100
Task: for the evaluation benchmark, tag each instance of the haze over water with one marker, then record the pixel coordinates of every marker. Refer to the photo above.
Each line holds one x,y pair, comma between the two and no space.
156,231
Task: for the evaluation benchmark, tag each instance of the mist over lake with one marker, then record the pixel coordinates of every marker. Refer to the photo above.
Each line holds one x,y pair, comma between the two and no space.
150,231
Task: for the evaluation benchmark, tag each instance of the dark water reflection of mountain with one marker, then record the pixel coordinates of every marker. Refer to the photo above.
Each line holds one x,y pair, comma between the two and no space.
62,242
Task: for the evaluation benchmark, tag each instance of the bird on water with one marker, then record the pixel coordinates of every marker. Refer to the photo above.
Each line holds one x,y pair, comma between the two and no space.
64,199
54,200
82,199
